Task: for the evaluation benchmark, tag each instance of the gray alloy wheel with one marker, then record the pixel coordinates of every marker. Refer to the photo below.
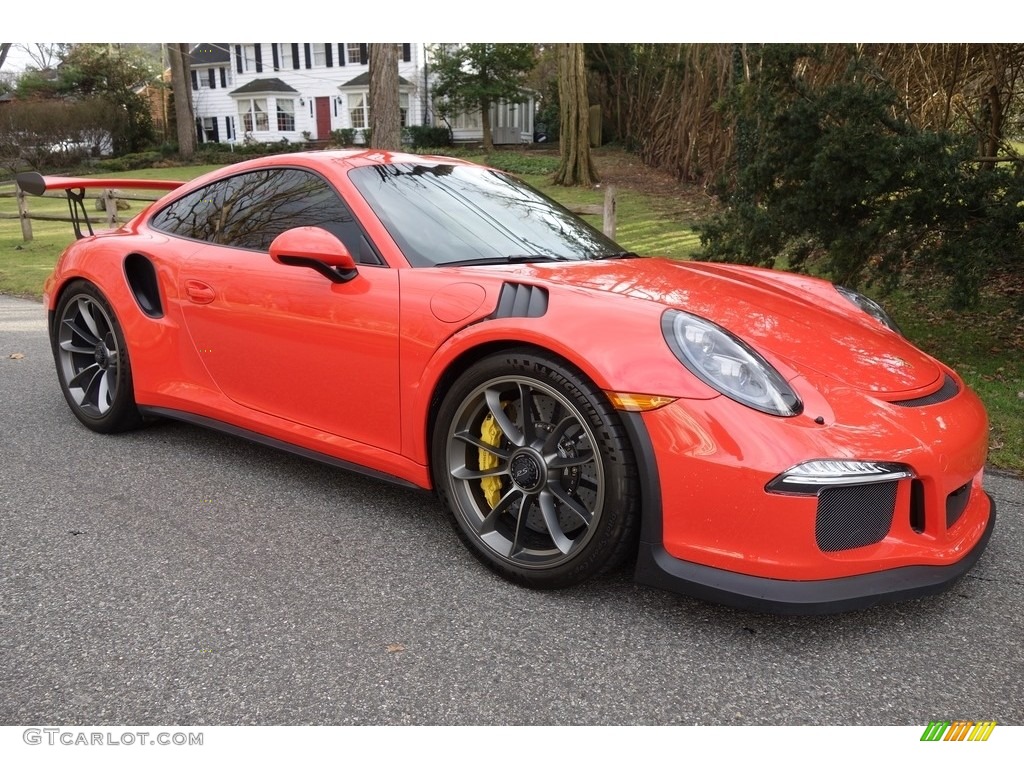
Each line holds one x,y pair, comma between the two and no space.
92,361
535,467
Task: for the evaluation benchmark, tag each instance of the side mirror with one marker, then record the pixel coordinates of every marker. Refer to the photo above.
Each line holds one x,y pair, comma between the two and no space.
316,249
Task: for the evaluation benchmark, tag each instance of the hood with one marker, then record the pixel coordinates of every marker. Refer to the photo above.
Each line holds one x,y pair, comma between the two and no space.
800,320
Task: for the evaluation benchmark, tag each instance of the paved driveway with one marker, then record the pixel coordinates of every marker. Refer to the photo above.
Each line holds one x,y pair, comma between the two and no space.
175,575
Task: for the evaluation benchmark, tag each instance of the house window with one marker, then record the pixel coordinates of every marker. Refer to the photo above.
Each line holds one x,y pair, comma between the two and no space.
403,109
285,114
229,127
464,121
358,110
285,52
254,115
353,54
248,58
210,130
320,54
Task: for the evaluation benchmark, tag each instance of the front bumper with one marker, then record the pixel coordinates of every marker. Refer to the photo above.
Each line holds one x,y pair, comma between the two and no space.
657,568
717,528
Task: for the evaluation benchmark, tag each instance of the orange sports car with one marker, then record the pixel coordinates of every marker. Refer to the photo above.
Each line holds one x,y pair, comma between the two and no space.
753,437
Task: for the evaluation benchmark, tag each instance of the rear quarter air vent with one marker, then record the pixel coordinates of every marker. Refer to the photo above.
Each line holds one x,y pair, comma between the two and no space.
518,300
141,276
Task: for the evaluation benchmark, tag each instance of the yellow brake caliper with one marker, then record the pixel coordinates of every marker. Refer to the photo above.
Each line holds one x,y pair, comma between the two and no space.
490,433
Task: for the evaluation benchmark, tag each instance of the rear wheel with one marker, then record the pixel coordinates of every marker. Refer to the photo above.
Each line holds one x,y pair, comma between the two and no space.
534,465
92,360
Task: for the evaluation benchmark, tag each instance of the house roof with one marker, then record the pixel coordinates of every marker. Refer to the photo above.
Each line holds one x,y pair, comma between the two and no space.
205,54
264,85
363,81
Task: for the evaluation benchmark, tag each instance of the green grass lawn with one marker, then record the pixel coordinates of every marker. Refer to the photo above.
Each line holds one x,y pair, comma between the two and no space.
986,346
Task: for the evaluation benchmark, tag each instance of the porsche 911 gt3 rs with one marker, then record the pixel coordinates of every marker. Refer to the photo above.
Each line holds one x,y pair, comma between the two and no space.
748,436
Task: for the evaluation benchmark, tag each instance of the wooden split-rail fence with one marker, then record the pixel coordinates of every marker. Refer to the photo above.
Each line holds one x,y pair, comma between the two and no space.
110,198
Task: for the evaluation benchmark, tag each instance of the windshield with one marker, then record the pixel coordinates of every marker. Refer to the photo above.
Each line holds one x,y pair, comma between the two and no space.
447,214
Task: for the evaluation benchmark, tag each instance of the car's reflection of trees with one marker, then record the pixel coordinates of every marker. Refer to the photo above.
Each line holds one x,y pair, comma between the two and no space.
486,208
259,206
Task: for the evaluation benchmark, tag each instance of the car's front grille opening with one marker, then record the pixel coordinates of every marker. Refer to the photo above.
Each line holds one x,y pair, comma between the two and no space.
854,516
917,506
956,503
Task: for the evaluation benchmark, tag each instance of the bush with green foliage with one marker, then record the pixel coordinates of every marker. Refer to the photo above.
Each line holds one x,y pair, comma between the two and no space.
420,136
343,137
835,180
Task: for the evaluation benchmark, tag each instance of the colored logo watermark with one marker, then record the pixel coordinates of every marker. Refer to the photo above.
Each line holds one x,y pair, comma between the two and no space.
958,730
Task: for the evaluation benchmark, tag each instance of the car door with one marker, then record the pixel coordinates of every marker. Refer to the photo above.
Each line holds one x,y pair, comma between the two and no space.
285,340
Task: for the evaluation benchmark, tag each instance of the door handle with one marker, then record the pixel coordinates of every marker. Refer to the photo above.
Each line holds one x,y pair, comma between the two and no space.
199,292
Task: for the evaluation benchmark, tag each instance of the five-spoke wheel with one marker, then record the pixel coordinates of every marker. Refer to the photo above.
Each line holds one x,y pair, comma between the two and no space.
92,361
535,467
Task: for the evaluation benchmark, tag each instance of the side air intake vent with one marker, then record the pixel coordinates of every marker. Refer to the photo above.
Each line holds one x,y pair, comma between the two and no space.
142,278
518,300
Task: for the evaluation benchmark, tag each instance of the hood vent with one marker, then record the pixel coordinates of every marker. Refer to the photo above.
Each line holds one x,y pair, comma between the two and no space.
947,391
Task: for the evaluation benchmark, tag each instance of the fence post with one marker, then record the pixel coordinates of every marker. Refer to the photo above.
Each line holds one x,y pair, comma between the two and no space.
26,222
111,204
609,211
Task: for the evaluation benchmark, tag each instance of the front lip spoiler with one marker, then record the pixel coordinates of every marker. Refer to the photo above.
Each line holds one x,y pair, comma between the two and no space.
657,568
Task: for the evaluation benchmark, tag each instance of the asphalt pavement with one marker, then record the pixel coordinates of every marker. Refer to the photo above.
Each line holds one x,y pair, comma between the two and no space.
177,575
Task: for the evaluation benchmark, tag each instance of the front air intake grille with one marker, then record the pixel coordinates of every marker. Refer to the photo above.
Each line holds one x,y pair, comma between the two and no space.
854,516
956,503
947,391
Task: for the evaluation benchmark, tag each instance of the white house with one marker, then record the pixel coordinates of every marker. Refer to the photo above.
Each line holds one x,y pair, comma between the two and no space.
266,92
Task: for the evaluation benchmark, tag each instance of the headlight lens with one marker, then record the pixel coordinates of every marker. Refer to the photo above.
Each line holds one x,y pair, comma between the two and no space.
870,306
727,364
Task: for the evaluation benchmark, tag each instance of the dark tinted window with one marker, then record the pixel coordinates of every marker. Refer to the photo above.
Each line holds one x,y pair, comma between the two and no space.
251,209
440,214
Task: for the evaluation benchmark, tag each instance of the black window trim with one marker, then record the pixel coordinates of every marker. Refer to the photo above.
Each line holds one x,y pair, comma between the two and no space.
381,261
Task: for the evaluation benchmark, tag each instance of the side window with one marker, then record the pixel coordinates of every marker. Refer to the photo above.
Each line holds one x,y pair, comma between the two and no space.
251,209
195,216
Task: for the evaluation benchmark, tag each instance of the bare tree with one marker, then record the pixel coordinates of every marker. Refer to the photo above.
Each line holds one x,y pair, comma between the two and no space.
577,166
44,55
181,84
4,48
385,117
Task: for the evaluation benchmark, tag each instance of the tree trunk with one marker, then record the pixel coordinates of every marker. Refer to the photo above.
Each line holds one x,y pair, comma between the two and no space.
181,85
577,166
485,125
385,116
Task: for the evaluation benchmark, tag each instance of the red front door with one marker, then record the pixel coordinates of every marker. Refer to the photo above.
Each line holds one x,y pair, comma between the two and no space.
323,117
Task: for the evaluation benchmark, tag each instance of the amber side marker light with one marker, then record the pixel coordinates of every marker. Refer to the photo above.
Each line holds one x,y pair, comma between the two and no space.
630,401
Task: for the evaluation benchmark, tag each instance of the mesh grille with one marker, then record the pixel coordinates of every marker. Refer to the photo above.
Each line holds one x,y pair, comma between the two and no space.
956,503
854,516
947,391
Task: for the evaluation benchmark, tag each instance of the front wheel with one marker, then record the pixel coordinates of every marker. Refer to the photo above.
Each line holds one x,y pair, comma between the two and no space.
536,469
92,360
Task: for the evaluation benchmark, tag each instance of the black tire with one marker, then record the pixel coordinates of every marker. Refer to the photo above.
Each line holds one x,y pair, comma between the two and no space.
549,501
92,360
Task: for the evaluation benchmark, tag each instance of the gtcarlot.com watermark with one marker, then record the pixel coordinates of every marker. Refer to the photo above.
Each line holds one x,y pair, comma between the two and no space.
71,737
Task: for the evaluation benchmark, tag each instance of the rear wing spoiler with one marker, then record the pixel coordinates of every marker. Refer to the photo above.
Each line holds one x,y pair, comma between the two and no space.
36,184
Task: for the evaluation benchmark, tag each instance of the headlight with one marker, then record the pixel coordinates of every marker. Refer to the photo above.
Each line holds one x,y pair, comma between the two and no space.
727,364
870,306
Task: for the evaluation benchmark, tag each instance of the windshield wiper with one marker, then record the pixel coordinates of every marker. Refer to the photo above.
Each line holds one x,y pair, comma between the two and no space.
515,258
615,255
